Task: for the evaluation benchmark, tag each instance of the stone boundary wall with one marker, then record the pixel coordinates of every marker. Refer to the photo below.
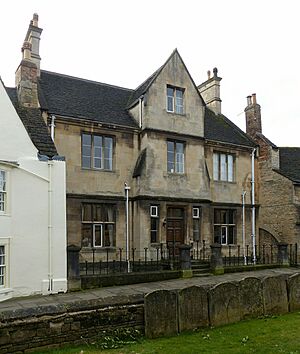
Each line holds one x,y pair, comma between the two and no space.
170,312
160,313
29,330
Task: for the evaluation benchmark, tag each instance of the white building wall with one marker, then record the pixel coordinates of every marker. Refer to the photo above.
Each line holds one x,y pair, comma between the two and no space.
34,237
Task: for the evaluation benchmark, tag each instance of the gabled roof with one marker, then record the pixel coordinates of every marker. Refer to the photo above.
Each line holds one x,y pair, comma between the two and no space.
289,158
34,125
265,139
219,128
142,89
74,97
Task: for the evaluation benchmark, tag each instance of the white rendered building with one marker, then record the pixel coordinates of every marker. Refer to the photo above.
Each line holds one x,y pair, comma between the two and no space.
32,204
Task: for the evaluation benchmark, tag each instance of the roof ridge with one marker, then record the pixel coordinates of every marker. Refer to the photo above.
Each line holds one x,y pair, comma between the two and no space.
86,80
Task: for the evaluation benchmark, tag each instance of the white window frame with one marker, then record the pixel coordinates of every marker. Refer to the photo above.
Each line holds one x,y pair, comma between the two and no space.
179,157
154,211
3,266
223,166
176,106
196,213
3,191
105,155
94,235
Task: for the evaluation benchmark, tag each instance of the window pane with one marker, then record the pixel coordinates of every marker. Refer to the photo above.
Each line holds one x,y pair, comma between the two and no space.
98,151
87,235
171,156
170,104
86,150
223,168
108,236
87,212
196,229
154,229
217,234
230,239
2,181
98,212
224,235
97,235
179,101
216,167
179,158
108,153
230,167
170,92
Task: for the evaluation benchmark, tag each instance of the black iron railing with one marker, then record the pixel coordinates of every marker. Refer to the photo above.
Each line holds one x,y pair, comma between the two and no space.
108,261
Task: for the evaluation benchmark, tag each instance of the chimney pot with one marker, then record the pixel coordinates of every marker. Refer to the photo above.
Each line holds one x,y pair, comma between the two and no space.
35,20
254,98
215,71
208,74
249,100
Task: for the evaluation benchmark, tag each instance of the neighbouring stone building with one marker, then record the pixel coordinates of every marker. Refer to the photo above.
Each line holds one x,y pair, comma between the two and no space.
279,183
186,164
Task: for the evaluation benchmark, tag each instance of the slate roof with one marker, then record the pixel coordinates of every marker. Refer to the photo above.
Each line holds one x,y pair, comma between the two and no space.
217,127
35,126
74,97
289,158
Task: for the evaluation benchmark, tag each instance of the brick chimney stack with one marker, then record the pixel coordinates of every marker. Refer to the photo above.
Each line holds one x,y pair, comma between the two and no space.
210,91
253,117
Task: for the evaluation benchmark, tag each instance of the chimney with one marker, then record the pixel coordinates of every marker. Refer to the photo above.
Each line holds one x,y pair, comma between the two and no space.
210,91
33,36
27,78
253,116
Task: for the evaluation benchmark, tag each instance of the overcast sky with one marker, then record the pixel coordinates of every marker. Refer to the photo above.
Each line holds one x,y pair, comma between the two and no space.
254,44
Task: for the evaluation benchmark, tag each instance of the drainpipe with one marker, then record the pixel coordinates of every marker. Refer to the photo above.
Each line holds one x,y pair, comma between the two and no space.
141,111
253,204
127,189
52,127
50,274
243,227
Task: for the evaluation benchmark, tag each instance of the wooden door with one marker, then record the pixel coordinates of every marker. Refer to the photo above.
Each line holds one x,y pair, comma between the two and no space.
175,227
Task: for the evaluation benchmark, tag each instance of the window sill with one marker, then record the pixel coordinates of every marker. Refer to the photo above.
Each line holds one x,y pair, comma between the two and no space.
176,174
227,182
96,170
99,249
176,114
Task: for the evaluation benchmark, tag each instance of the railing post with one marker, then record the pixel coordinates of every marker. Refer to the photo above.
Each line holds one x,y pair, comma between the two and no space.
282,256
216,261
74,280
185,261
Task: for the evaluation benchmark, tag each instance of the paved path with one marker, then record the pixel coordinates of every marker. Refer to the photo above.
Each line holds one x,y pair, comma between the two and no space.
136,291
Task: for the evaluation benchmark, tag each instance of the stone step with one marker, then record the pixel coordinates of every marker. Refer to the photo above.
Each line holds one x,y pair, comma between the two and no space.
200,271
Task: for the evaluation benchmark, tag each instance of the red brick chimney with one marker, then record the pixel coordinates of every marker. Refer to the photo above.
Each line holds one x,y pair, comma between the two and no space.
253,117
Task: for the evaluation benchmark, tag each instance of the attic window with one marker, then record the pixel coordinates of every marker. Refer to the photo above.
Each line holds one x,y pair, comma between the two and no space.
175,99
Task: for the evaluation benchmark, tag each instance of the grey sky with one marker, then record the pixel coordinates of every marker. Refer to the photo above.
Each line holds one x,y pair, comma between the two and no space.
254,45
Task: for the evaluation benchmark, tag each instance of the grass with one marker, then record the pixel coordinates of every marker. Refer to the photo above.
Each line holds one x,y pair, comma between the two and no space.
267,335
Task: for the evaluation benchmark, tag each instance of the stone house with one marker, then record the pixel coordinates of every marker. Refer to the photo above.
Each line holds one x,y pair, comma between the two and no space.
32,204
166,144
279,183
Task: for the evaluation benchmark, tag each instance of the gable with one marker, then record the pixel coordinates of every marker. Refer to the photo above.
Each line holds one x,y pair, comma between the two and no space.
15,142
173,74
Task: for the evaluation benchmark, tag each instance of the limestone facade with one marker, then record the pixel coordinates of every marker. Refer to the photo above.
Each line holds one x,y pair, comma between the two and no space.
186,165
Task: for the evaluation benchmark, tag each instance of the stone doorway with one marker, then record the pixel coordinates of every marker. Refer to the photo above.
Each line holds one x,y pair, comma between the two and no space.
175,227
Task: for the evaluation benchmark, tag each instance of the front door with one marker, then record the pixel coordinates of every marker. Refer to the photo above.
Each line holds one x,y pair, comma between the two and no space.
175,227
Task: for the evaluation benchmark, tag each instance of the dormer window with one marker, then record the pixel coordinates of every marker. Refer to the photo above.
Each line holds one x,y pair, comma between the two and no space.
175,99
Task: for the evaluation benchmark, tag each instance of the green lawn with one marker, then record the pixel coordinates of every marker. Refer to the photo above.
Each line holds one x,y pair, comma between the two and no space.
270,335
